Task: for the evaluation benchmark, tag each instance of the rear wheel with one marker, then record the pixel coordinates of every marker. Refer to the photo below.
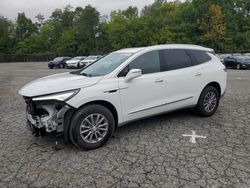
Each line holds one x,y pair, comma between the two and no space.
92,126
208,101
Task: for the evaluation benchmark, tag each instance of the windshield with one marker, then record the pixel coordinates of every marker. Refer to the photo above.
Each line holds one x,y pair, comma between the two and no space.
105,65
58,59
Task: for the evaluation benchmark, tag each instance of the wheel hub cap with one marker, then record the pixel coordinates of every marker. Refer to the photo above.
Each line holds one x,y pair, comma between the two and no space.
210,101
94,128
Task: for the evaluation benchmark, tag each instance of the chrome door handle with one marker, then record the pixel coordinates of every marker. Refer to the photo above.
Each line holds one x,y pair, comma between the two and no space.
158,80
198,74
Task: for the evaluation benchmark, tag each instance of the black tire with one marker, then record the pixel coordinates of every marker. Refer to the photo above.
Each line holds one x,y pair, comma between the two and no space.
200,107
61,66
79,117
51,67
78,66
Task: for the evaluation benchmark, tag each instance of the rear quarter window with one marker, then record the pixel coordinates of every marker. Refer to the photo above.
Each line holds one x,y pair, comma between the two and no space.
199,56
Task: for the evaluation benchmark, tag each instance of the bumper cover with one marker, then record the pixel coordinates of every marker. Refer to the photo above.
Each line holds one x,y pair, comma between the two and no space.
57,124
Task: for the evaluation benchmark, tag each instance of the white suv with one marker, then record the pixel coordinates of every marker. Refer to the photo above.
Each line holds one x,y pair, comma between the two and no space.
86,106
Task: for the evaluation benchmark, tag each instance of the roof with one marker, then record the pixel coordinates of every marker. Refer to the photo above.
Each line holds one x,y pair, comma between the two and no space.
131,50
184,46
166,46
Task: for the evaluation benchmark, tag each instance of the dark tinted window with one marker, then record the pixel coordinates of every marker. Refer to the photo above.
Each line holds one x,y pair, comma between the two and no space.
175,59
148,63
199,56
247,61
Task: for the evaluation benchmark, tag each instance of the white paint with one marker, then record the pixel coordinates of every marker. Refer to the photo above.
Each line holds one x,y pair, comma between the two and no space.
193,137
144,96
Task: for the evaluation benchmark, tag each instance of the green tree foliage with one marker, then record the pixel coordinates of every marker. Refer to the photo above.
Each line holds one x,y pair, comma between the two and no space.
86,23
24,27
221,24
7,40
213,26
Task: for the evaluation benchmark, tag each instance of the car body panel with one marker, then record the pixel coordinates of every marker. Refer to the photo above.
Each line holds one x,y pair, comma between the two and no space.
144,96
57,62
233,61
88,61
57,83
74,62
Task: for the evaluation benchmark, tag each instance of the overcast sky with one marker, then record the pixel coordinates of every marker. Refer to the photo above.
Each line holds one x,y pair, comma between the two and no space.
10,8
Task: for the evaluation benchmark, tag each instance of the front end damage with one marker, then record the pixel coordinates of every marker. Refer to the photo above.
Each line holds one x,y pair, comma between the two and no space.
48,117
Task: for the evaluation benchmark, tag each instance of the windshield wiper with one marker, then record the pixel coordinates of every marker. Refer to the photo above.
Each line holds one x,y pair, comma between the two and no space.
84,74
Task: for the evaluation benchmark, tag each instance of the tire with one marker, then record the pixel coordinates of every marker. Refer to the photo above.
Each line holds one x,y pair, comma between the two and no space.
238,66
78,66
80,127
203,108
51,67
61,66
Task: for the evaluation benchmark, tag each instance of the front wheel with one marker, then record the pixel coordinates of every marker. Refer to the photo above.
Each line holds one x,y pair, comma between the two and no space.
61,66
92,126
238,67
208,101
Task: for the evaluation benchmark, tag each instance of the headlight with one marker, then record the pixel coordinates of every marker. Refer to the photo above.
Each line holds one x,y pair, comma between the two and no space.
62,96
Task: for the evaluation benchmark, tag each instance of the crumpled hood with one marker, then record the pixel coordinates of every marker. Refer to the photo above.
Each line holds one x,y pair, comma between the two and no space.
57,83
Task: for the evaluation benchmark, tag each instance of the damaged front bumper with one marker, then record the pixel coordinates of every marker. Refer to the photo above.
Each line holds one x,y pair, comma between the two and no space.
48,117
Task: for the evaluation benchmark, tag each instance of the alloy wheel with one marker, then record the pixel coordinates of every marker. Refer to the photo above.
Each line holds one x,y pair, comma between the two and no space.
210,101
94,128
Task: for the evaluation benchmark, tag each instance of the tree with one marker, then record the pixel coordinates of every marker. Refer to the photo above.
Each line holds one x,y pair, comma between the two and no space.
86,23
24,27
213,26
67,44
63,18
7,40
40,19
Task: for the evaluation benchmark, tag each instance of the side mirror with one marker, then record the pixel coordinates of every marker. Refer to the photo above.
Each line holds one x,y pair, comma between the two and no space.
134,73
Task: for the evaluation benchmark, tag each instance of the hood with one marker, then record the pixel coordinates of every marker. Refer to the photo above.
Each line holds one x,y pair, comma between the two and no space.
57,83
73,61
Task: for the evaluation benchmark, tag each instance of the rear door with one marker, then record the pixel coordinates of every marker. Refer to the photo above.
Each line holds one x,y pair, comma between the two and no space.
180,77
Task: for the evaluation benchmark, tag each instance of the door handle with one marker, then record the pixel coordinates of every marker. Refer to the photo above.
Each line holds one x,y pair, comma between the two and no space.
198,74
158,80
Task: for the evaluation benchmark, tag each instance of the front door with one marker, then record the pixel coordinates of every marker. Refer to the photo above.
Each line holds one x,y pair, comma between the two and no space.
144,95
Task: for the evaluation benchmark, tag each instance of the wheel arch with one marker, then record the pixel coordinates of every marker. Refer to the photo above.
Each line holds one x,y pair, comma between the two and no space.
214,84
106,104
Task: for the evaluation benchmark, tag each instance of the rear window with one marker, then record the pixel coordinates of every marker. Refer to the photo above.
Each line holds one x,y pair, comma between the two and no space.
199,56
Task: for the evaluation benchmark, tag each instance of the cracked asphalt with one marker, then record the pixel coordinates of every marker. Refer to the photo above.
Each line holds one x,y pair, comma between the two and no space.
146,153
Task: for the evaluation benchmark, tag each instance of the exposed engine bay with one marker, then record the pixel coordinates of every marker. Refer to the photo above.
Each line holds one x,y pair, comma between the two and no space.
45,116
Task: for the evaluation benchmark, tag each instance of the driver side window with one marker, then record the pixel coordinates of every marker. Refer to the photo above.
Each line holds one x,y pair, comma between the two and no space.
148,63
